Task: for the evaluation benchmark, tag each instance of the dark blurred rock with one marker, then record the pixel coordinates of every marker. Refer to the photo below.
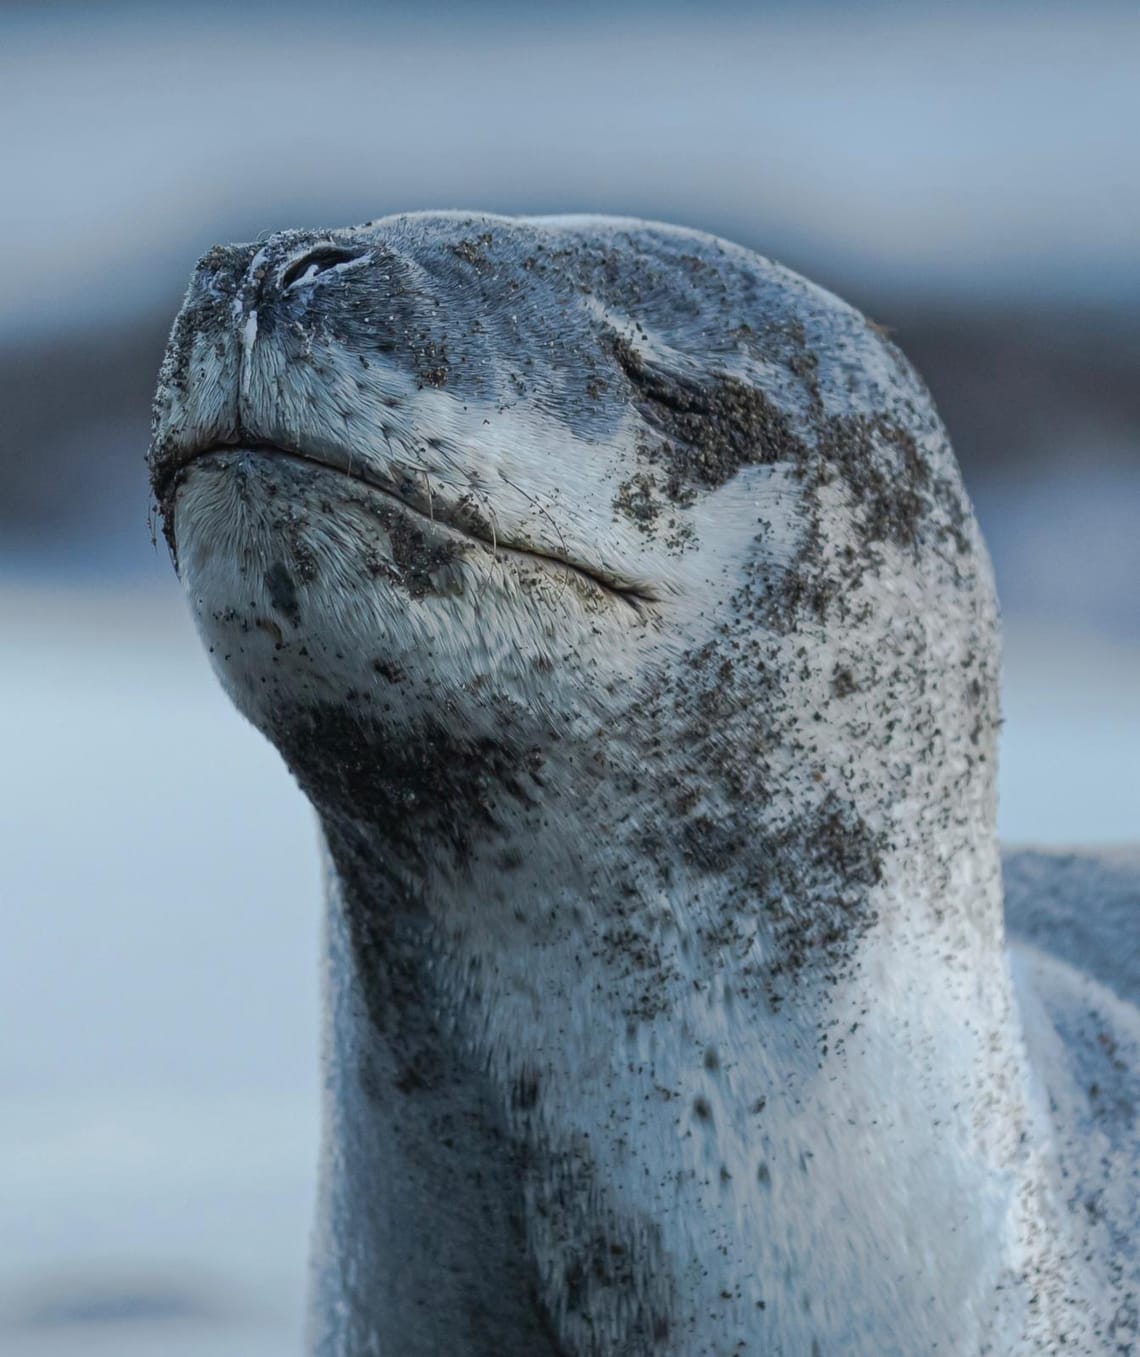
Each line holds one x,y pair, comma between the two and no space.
77,1302
76,425
1023,391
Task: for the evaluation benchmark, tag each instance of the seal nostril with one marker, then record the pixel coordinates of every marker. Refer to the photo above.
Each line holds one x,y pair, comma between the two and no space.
313,262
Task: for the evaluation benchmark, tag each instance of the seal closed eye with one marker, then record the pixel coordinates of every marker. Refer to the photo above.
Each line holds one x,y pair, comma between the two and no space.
612,594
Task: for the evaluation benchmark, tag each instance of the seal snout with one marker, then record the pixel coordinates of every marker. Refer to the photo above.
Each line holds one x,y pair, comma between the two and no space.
222,270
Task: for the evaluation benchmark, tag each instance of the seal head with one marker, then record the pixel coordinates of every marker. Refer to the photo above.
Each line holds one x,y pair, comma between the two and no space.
467,490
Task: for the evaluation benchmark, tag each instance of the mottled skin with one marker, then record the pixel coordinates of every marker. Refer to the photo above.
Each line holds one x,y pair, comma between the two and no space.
613,595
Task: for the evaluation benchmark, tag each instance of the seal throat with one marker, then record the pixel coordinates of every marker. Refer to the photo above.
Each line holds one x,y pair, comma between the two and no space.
459,519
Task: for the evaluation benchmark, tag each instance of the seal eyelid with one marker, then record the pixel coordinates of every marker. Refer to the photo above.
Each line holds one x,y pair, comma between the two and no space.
305,267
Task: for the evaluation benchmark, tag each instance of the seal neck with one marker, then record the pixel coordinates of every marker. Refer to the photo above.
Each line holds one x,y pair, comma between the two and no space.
528,1150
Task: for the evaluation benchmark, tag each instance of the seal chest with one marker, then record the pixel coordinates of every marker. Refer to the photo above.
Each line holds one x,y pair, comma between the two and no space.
612,594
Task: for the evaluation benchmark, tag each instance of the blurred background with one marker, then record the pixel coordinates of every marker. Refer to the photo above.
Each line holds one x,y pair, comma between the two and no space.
967,175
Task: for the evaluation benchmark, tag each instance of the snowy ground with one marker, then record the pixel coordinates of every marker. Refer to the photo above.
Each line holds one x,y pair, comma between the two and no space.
158,1081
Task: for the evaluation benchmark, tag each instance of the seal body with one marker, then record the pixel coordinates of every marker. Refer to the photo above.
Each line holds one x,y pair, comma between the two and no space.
613,595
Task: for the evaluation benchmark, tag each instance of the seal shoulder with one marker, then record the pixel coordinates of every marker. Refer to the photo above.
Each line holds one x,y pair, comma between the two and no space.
1072,921
1081,908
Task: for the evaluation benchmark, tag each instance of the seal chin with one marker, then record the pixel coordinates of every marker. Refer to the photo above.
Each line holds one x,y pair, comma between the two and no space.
308,583
440,518
260,502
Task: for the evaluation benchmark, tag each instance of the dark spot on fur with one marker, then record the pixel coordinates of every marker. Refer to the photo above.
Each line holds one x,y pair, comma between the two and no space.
711,844
842,857
615,1266
635,501
712,427
421,559
473,251
423,792
524,1091
843,682
429,359
633,952
282,592
469,516
881,466
604,1265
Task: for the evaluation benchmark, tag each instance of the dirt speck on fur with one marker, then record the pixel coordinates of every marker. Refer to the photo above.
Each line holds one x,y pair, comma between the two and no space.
283,592
711,428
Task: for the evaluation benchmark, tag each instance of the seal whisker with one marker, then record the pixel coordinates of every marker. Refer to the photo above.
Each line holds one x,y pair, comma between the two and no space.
490,508
562,540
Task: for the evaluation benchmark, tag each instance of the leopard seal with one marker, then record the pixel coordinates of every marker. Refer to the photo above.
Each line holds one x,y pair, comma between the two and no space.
612,594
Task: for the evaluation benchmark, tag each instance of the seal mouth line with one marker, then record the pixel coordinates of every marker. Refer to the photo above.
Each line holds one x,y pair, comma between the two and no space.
633,597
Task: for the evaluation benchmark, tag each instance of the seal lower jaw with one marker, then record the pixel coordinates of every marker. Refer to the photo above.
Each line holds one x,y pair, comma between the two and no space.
460,520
